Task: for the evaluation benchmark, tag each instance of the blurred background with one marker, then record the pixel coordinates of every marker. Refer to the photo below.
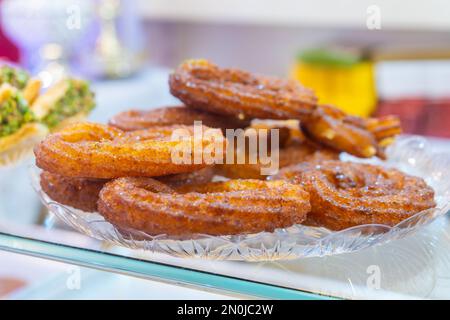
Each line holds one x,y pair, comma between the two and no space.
368,57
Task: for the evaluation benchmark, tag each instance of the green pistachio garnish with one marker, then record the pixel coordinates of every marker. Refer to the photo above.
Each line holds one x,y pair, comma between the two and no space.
14,113
77,98
14,76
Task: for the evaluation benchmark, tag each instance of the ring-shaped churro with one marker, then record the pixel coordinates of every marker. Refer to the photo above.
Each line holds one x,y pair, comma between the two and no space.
346,194
88,150
217,208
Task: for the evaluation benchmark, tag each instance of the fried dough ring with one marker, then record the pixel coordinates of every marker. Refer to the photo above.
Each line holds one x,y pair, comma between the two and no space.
290,155
294,148
346,194
289,130
139,119
364,138
88,150
78,193
203,85
201,176
83,194
219,208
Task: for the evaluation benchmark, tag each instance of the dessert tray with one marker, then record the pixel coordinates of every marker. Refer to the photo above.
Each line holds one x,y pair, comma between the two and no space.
411,155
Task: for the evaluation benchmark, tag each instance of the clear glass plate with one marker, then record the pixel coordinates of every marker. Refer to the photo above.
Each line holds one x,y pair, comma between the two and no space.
409,155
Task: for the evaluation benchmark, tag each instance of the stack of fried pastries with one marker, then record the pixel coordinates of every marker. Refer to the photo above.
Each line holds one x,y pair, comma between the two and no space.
125,171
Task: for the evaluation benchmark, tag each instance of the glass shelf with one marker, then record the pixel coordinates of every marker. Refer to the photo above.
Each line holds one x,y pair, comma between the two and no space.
147,269
415,267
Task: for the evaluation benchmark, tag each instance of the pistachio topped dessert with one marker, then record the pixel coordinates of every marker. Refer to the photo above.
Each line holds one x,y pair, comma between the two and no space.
14,76
14,110
26,114
19,129
66,100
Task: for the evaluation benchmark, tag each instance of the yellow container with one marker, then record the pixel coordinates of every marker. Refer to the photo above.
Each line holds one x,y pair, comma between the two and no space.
349,86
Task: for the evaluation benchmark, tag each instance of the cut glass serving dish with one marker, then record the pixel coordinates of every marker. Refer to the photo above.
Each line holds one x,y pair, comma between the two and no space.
411,155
